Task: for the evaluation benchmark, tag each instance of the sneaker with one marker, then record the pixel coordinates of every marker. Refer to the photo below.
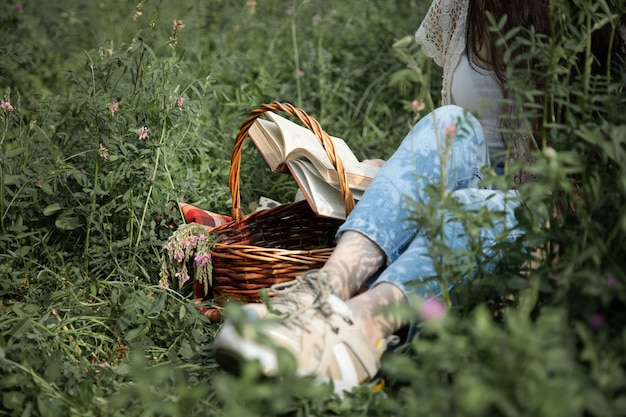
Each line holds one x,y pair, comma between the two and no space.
288,297
324,338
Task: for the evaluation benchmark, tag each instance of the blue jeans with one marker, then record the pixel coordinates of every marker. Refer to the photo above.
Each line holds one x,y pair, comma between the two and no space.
383,212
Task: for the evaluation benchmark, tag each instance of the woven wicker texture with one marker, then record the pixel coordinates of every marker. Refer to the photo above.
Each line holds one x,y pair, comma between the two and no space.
278,244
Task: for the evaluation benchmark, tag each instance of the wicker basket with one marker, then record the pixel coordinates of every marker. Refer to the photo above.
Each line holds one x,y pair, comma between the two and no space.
277,244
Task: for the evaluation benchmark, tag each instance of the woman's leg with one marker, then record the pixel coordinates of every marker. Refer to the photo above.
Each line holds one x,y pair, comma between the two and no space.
413,270
428,155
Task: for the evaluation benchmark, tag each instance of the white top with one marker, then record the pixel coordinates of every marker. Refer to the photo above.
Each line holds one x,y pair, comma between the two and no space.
478,91
442,37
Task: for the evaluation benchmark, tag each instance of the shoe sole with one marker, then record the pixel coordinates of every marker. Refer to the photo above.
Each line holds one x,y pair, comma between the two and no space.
230,350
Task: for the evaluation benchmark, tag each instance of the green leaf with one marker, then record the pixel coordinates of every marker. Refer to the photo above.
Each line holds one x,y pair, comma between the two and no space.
137,333
52,209
68,223
13,400
15,152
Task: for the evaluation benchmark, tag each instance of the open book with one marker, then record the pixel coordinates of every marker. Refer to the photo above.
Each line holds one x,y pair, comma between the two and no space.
289,147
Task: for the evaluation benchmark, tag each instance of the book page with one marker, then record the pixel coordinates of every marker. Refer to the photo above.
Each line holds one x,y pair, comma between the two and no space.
323,198
268,140
299,142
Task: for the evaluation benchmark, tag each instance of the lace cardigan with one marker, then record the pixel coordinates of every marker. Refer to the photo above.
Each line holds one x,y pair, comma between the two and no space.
442,37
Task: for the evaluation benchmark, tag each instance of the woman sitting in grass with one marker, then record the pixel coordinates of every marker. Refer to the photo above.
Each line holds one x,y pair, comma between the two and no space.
333,330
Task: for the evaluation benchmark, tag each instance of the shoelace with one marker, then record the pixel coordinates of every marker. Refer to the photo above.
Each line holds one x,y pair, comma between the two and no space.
290,292
320,305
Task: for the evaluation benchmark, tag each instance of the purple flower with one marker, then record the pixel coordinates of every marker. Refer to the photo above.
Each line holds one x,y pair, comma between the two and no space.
596,321
612,282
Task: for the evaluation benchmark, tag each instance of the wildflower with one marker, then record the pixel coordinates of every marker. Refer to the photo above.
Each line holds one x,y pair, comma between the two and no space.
178,26
149,179
290,11
38,183
136,15
164,284
6,104
113,107
179,256
181,101
18,8
450,130
612,282
316,19
251,4
182,278
103,152
417,105
596,321
432,309
142,133
202,259
299,73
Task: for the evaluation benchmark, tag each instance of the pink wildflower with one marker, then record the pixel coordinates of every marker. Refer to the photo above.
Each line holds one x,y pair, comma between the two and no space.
142,133
432,309
450,130
596,321
136,15
6,104
182,278
417,105
164,284
612,282
181,101
251,4
178,26
179,256
18,8
103,152
202,259
113,107
316,19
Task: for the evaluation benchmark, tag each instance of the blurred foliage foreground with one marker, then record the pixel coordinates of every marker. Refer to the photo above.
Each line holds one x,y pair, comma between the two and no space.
111,114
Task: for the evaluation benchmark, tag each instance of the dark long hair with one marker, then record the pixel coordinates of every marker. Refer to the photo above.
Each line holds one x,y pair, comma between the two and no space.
531,18
482,44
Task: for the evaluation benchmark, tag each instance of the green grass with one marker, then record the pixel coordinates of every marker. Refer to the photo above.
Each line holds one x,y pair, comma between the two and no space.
86,206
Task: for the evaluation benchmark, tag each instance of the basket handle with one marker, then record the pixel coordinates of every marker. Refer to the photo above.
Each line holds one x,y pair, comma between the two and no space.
234,178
